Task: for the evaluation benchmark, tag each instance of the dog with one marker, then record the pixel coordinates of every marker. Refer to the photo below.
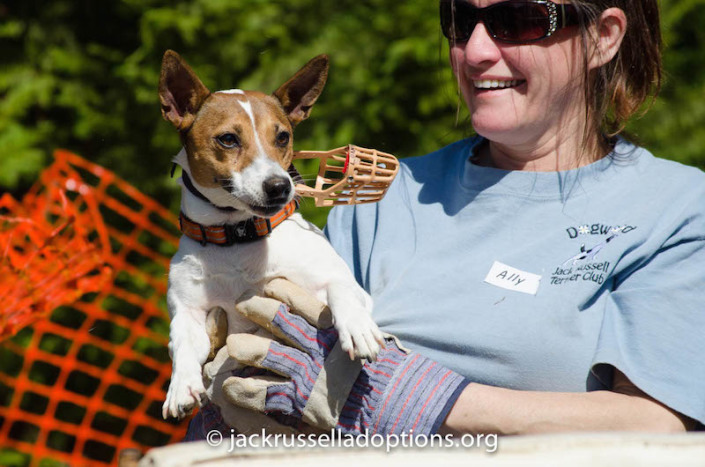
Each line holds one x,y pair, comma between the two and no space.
237,149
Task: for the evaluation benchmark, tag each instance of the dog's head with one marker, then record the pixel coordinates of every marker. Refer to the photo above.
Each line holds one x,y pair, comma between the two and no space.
239,144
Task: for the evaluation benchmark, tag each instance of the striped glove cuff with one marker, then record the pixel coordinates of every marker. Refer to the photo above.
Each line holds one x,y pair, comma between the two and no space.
400,393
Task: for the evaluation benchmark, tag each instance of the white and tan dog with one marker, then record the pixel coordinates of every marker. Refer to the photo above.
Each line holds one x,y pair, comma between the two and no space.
237,147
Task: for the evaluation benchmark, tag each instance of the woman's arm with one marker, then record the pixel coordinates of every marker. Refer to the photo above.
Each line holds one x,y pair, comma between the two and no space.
488,409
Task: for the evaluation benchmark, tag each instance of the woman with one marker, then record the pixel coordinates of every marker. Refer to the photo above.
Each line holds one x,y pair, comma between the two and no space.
555,266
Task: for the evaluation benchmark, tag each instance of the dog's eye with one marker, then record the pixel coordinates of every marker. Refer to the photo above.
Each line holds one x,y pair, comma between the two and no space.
283,138
228,140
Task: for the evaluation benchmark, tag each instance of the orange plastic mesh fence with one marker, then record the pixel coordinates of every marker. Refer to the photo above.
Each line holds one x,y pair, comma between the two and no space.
84,363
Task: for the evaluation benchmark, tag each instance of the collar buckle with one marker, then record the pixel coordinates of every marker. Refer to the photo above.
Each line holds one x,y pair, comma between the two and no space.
242,232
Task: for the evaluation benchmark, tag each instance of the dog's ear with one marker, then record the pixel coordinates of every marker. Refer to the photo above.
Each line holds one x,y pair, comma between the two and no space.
181,93
298,95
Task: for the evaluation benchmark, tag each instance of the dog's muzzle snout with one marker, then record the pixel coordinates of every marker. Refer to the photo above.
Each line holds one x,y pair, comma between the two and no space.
277,188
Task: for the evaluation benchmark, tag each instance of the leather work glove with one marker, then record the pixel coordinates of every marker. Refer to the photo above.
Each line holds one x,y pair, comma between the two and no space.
314,381
219,414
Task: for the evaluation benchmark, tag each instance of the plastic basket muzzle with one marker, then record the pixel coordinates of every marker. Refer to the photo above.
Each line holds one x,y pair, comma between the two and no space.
349,175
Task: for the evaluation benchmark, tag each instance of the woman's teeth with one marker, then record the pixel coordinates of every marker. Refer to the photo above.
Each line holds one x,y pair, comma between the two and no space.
495,84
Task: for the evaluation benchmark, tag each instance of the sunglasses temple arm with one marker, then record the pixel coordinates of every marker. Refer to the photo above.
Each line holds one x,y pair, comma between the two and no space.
567,15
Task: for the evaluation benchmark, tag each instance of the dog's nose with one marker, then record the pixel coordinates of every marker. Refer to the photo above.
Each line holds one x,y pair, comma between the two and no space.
276,188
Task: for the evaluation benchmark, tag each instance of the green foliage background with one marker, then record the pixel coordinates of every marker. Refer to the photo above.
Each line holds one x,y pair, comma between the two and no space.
82,75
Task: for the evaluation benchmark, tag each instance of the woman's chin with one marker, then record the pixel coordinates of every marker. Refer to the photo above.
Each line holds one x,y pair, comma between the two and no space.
495,129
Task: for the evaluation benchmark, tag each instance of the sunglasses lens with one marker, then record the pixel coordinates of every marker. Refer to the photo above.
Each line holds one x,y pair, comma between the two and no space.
518,21
511,21
458,20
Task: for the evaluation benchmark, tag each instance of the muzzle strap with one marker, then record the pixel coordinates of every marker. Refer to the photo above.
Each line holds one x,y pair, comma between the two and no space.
194,191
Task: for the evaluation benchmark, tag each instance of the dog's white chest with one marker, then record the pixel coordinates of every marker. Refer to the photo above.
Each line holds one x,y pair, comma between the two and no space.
215,275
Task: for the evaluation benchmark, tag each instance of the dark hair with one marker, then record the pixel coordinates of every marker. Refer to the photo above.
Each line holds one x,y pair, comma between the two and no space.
617,90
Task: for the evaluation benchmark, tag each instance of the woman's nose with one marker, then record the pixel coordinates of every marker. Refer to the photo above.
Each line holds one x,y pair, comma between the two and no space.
480,47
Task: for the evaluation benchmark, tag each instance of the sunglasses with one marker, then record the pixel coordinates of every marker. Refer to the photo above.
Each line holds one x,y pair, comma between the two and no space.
513,21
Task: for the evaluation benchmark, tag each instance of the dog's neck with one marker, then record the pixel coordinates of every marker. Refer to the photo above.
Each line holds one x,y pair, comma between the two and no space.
204,211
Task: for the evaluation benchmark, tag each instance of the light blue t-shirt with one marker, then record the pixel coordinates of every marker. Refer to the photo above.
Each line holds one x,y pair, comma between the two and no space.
541,280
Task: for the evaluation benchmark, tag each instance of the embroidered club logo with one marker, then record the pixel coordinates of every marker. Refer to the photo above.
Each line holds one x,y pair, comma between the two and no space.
586,264
591,254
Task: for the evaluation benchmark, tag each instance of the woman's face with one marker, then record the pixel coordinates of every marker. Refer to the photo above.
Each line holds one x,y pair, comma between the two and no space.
522,96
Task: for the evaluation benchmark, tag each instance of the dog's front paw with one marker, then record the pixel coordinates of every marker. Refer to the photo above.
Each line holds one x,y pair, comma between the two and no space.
186,391
359,336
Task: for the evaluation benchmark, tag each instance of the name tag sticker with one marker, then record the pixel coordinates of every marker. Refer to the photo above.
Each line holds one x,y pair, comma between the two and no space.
510,278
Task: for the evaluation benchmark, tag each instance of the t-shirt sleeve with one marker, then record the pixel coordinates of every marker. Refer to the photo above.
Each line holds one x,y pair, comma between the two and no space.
352,229
339,231
654,324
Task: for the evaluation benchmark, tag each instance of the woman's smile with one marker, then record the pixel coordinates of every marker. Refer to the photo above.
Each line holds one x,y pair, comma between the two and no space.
493,84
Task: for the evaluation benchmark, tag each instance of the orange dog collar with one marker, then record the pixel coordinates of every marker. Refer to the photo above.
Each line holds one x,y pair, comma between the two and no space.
252,229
